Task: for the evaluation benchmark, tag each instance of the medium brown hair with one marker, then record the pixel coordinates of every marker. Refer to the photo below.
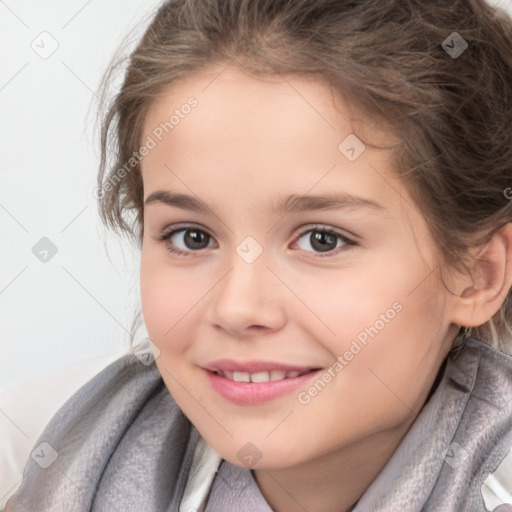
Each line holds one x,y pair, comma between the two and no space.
452,114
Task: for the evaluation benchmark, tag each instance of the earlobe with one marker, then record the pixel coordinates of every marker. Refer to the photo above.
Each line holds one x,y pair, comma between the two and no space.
482,294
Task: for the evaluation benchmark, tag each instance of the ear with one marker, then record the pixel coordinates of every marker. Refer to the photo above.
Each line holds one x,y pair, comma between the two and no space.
481,295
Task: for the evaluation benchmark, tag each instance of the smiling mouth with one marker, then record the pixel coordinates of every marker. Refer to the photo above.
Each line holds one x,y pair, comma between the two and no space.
263,376
256,382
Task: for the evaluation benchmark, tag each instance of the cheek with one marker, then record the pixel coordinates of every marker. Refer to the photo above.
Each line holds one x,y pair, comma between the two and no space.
166,300
386,321
357,304
394,358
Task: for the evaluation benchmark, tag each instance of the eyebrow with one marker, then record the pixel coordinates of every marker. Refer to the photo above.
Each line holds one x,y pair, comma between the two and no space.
291,204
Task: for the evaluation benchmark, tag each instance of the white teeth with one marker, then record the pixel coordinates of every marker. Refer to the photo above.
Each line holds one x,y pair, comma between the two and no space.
260,377
273,375
241,377
277,375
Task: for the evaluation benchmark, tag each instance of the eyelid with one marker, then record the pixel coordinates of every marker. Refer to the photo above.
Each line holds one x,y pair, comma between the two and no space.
348,237
180,226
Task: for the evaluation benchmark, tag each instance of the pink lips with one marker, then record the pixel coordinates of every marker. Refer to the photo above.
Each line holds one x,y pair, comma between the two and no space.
251,393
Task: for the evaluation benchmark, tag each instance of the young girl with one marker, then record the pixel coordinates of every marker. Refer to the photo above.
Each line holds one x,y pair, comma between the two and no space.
321,191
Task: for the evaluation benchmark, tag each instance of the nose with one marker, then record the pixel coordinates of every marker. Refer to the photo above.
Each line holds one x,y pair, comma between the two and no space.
248,300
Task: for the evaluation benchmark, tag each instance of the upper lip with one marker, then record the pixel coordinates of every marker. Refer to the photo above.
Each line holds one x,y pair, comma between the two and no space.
229,365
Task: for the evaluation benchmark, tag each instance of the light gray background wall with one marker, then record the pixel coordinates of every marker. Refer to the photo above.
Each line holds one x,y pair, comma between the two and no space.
76,304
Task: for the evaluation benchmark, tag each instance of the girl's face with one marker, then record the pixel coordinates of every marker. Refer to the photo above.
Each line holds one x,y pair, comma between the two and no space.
275,243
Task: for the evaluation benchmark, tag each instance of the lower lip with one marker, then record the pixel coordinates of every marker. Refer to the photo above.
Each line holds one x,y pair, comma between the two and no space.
251,393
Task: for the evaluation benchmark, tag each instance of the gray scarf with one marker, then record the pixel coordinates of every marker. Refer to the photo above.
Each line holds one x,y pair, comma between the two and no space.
122,444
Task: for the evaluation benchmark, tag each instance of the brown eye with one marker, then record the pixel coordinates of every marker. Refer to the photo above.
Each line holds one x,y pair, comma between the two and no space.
195,239
185,241
323,241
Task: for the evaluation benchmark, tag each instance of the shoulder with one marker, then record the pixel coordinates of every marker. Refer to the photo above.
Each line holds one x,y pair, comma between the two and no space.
112,396
122,384
482,375
493,380
125,409
27,408
479,455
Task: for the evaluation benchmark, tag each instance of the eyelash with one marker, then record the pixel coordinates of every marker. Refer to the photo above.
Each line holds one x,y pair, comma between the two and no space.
165,235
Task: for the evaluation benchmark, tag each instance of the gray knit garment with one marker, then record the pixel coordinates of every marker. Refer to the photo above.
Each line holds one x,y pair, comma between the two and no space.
123,445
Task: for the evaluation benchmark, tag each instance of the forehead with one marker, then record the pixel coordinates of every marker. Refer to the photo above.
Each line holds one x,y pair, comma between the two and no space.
226,86
258,133
280,105
246,111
